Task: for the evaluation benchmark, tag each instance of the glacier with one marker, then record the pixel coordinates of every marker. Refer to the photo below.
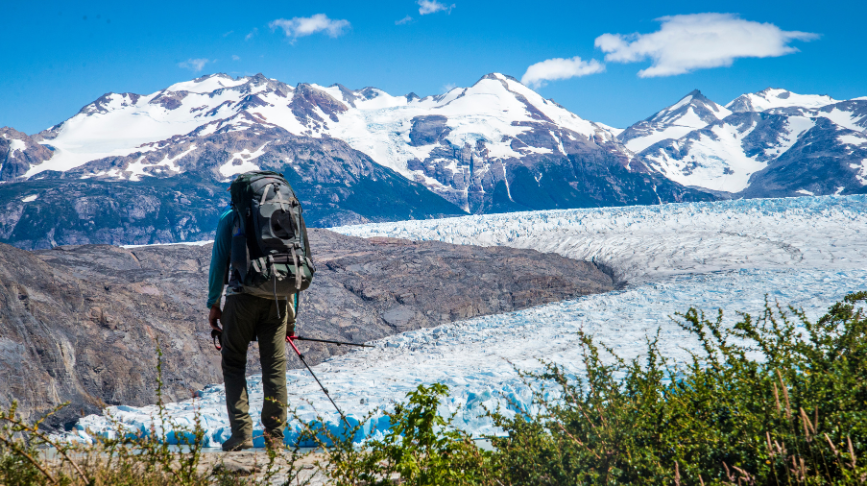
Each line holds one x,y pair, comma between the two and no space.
646,242
808,252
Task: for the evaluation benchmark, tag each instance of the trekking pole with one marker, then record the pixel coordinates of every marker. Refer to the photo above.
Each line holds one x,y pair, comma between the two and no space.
339,343
301,356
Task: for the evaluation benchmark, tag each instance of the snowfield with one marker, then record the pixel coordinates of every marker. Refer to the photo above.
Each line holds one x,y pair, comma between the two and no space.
775,98
714,158
805,251
495,109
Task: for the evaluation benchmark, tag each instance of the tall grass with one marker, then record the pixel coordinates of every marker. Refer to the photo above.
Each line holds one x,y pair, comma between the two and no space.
126,459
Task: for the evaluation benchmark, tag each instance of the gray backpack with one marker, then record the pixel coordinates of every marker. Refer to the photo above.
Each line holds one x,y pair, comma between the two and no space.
270,254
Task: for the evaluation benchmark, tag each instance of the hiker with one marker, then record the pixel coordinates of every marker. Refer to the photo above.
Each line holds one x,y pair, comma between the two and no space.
261,252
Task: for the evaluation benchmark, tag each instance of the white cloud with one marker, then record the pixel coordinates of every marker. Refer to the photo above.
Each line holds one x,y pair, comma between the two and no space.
194,65
448,87
404,20
685,43
432,6
251,34
235,57
303,26
558,68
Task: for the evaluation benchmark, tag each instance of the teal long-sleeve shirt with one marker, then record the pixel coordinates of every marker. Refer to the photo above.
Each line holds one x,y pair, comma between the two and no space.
220,258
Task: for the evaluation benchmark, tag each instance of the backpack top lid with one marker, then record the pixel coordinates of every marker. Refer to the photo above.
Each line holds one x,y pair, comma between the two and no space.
250,184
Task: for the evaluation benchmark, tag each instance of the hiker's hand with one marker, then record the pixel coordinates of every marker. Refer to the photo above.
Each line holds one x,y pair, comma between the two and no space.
214,316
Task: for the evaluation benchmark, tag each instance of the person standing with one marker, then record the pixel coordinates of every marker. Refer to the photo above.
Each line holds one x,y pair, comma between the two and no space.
260,244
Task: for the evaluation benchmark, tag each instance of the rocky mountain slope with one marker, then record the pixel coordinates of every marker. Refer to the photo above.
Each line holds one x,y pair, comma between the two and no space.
175,191
767,144
82,322
827,159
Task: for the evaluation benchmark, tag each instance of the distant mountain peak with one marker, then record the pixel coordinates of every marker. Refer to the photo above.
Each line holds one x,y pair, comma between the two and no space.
705,109
215,75
209,83
691,112
772,90
498,77
777,99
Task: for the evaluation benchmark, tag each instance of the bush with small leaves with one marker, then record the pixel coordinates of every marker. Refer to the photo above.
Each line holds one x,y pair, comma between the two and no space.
421,448
773,400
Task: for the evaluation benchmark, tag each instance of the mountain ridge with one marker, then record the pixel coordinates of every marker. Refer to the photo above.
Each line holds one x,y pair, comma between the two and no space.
691,112
733,156
494,146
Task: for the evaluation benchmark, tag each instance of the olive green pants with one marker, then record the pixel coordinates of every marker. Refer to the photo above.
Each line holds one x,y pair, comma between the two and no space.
246,317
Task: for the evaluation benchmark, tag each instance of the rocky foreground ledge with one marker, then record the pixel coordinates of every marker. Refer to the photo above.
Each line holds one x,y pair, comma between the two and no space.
81,323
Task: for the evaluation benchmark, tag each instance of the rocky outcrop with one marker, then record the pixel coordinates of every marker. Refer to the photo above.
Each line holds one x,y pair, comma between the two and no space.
428,130
82,323
52,212
18,153
307,99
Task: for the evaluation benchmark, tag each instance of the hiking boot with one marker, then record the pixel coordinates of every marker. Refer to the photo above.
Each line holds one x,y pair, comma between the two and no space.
237,444
274,439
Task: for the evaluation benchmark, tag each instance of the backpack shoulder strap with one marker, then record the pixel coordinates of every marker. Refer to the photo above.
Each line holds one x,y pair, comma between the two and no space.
229,256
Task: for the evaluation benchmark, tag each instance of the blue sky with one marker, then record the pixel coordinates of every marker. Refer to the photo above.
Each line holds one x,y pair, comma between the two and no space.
59,56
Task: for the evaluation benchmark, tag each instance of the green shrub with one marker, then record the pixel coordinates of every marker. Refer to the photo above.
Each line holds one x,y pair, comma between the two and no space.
773,400
420,448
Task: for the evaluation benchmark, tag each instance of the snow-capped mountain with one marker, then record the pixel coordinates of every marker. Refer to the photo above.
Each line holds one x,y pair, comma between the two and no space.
691,112
494,146
496,117
724,155
745,151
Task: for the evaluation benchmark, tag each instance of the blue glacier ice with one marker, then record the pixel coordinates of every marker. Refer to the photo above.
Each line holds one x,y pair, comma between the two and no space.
805,251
